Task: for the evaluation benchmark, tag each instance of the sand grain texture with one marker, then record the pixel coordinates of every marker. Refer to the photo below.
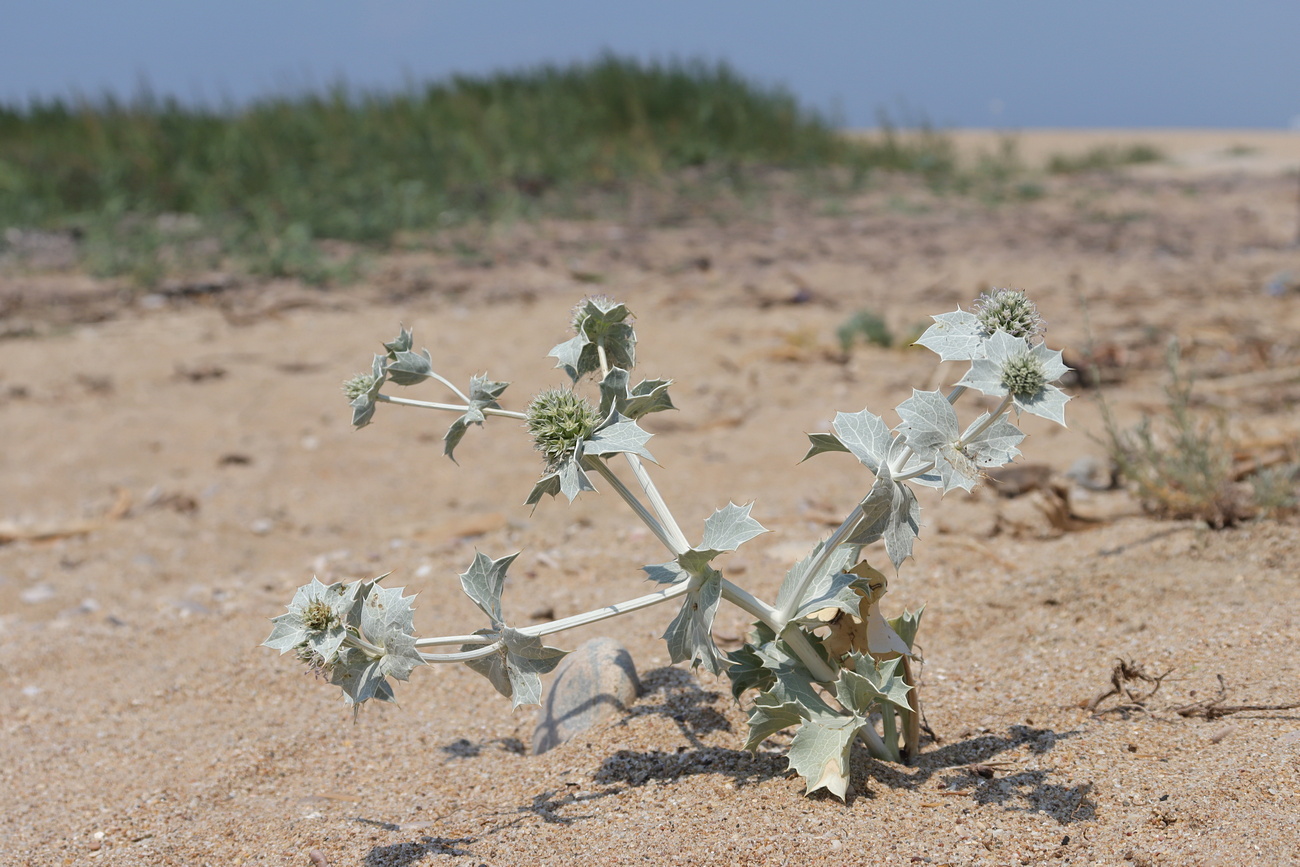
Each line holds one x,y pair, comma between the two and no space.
140,723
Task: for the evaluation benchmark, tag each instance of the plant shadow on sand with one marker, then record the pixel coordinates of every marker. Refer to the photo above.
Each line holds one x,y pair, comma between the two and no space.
411,852
968,767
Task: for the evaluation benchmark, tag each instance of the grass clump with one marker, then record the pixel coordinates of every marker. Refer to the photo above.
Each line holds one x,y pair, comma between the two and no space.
1104,158
1181,464
271,180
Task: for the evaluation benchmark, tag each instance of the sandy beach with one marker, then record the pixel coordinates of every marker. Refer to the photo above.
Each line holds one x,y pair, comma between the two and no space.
175,464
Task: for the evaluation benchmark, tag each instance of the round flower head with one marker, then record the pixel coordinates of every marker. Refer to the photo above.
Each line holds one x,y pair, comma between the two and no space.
558,420
1024,375
1012,368
358,385
602,303
1010,311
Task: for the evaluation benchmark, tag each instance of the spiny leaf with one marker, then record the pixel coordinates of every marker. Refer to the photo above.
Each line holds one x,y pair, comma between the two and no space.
483,394
402,343
865,435
823,442
906,624
515,668
646,397
768,716
956,336
618,434
730,527
483,582
820,752
689,636
870,682
838,561
746,671
995,445
408,368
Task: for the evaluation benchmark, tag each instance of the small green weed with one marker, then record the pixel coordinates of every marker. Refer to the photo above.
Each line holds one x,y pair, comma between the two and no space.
867,326
1104,158
1181,464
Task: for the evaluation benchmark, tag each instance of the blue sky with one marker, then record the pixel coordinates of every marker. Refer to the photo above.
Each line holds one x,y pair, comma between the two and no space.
1000,63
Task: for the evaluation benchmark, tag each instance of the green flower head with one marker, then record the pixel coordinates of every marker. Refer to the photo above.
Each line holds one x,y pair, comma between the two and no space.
358,385
558,420
1011,311
1024,375
581,313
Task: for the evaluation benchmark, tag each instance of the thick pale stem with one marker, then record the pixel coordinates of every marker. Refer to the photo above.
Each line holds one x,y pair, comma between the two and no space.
889,727
988,422
657,503
875,745
642,512
449,407
919,471
751,604
492,645
465,655
599,614
447,383
842,532
453,639
802,646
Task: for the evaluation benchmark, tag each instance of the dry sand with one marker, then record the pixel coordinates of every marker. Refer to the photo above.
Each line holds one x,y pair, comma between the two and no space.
173,468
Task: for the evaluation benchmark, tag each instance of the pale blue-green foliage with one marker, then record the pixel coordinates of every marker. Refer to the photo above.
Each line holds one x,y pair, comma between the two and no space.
988,375
828,584
386,621
516,666
597,322
519,660
906,624
956,336
363,403
890,510
615,434
821,747
647,396
361,636
291,630
892,514
690,635
931,428
483,394
484,581
357,634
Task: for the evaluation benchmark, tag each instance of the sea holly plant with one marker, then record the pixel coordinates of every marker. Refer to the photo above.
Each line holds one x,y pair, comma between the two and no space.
822,658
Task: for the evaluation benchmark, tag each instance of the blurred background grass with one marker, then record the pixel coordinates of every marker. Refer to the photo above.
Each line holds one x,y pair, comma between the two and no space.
148,187
266,182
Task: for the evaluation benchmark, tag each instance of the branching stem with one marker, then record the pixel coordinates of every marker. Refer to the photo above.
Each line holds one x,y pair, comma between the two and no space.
450,407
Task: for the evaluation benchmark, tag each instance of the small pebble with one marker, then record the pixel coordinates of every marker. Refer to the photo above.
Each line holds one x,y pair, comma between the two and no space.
37,594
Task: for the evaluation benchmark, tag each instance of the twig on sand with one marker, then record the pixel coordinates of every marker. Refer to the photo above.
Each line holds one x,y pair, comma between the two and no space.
1214,708
1121,676
13,532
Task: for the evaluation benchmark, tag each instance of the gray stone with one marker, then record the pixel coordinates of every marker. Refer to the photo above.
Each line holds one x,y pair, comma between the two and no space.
593,683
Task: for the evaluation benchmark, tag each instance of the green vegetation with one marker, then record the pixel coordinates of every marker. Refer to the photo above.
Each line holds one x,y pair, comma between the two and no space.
1180,464
269,181
1104,158
822,657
